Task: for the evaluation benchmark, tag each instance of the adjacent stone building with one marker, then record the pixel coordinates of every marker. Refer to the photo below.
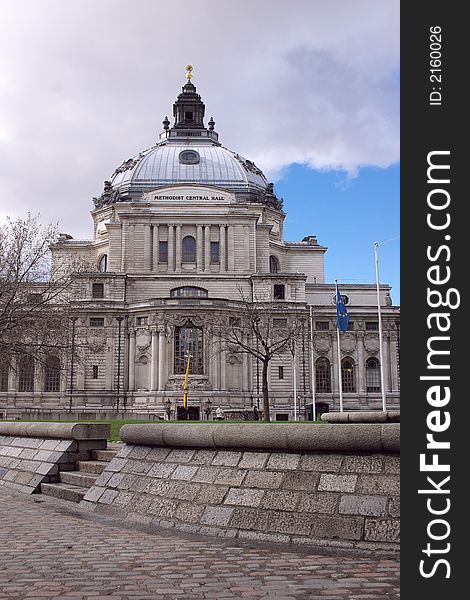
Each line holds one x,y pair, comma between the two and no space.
185,231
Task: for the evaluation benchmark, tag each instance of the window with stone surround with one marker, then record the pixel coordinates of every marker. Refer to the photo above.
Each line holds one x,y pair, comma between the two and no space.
96,321
94,369
26,374
372,375
347,375
322,325
97,290
372,325
163,252
279,291
322,376
215,253
189,249
52,374
273,264
189,339
4,373
188,291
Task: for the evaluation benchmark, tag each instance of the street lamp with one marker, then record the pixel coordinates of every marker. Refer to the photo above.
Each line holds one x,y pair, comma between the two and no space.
119,320
208,408
167,404
74,320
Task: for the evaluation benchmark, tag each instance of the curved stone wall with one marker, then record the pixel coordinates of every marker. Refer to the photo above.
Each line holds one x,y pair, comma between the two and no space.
318,485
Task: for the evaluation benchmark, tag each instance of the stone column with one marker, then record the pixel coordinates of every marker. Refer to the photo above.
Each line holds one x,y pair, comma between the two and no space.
231,248
171,247
246,248
223,367
147,244
124,245
155,248
153,361
161,360
394,363
222,248
178,249
132,361
386,355
207,249
360,361
130,248
199,251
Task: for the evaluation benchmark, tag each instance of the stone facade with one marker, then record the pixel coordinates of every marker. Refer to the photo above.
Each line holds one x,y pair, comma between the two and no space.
183,232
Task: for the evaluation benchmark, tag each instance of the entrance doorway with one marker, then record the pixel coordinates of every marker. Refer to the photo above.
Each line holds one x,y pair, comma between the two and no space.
188,414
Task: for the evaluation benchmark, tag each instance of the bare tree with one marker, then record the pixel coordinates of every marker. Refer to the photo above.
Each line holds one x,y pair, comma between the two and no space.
263,330
33,299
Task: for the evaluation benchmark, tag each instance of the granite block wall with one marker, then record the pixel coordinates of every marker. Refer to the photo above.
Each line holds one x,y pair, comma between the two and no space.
346,500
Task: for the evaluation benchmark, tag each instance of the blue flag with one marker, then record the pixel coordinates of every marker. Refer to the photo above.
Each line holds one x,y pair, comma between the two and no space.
342,315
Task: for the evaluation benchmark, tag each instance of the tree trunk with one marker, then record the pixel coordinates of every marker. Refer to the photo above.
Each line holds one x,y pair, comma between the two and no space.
266,415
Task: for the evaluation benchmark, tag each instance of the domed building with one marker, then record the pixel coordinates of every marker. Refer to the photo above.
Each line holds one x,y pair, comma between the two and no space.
187,243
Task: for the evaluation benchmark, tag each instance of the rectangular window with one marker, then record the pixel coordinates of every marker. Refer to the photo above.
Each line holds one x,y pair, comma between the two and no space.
322,325
163,252
4,372
279,291
95,371
215,253
96,321
372,325
282,416
142,320
97,290
234,321
351,326
26,375
281,372
279,323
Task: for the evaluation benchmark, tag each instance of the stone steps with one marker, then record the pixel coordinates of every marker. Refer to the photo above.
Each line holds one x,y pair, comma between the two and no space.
64,491
73,485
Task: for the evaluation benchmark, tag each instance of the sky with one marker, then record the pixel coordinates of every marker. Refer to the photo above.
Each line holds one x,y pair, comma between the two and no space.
307,89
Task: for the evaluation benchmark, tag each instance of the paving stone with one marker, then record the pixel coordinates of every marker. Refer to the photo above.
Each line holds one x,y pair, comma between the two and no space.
301,481
249,518
323,503
244,497
162,507
123,499
392,464
253,460
94,493
287,522
330,463
203,457
363,464
211,494
139,452
180,455
189,513
230,476
348,528
379,484
281,460
115,480
217,515
158,454
27,453
373,506
263,479
107,497
337,483
394,507
161,470
184,472
226,458
104,477
138,467
280,500
206,474
382,530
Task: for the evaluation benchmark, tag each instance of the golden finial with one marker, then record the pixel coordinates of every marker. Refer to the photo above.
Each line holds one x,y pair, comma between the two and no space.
189,74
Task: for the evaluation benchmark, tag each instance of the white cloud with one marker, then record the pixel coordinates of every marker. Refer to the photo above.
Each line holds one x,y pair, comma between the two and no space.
86,84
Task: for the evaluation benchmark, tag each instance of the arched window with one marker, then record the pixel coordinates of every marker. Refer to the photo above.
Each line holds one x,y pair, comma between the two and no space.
372,375
4,372
273,264
323,376
347,375
26,374
189,249
103,264
52,374
189,339
188,291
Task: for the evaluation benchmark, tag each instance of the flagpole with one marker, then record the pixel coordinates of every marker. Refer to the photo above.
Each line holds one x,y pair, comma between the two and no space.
312,367
339,358
382,386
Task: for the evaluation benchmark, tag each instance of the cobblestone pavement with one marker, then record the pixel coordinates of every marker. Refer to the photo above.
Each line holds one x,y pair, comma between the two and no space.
51,550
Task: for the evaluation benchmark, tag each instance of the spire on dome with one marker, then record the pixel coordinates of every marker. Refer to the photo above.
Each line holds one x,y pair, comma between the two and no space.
189,109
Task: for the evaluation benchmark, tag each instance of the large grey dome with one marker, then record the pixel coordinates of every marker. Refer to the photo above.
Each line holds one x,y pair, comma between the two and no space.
189,153
164,165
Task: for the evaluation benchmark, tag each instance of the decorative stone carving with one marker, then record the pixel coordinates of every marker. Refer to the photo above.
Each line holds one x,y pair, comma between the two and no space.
348,344
322,343
371,343
193,384
96,345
